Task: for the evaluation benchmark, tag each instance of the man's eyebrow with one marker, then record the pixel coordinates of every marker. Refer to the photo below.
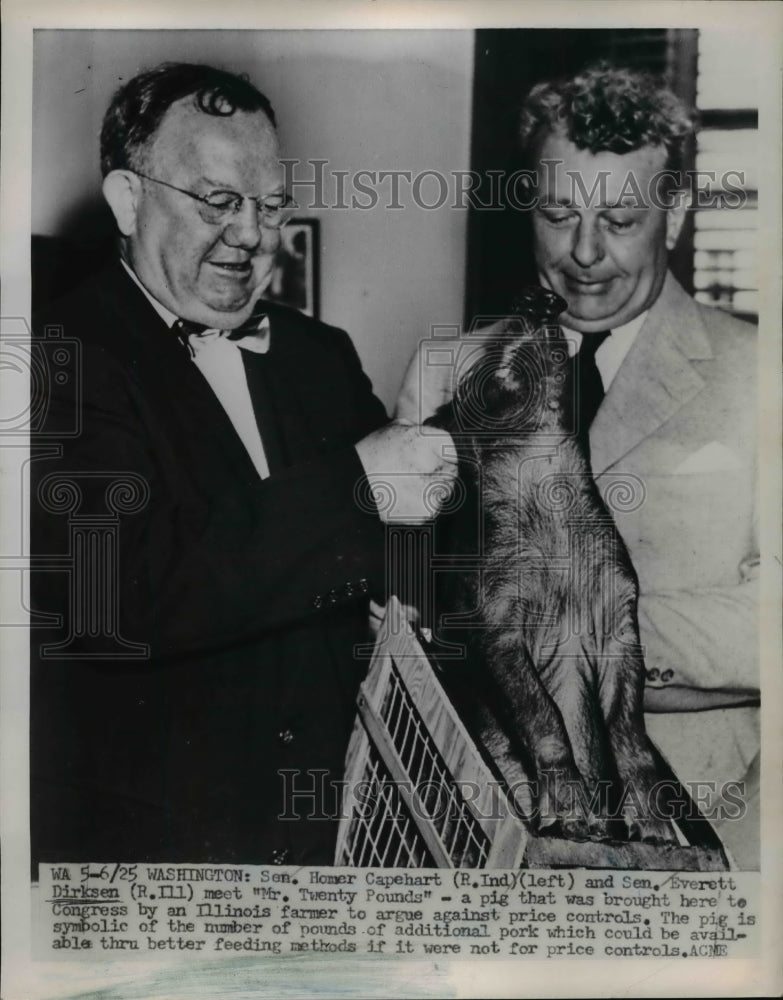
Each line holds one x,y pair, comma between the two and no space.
629,203
277,192
217,185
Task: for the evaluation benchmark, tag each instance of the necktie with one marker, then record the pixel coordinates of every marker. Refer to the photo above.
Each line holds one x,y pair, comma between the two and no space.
590,387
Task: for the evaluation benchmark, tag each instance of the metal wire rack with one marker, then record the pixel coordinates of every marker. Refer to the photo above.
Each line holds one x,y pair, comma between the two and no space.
418,792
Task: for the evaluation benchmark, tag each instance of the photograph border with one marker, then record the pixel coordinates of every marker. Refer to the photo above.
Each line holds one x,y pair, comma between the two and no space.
26,978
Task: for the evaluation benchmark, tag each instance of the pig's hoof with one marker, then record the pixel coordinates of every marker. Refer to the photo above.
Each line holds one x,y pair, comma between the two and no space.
659,833
600,829
651,832
578,828
566,829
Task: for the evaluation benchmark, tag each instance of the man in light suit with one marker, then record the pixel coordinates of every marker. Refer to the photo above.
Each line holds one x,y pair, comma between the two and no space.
672,437
196,701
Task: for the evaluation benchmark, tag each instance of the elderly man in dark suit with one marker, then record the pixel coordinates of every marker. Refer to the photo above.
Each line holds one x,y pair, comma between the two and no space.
197,702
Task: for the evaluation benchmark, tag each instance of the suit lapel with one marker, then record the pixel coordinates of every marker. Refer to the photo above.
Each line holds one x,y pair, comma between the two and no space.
174,384
303,384
656,379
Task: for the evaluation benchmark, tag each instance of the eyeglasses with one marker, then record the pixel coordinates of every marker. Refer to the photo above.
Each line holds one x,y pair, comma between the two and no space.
218,207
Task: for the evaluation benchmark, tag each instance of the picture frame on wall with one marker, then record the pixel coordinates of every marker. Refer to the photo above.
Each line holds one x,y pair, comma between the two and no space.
403,132
295,278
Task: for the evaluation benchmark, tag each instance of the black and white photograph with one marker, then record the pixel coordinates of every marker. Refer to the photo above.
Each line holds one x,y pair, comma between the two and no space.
391,482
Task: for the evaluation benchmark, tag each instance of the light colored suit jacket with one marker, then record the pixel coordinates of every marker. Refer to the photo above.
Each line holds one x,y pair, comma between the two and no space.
674,455
678,428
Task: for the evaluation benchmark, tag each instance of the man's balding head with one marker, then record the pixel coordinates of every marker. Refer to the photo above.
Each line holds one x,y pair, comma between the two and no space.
139,106
192,173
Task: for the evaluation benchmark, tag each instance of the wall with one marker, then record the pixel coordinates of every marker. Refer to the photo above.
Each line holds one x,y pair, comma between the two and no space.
361,100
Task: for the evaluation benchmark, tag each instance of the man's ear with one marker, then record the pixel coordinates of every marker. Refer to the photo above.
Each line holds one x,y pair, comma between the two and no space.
122,191
675,216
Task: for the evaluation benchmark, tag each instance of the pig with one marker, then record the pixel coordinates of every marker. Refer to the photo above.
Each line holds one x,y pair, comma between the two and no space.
553,684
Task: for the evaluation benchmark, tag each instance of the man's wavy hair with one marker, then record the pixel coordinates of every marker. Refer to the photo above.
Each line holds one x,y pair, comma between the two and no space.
606,109
138,107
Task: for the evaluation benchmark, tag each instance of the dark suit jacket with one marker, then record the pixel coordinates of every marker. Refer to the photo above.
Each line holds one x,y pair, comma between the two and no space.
248,594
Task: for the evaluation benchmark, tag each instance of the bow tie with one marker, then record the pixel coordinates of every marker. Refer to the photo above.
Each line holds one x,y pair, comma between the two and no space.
253,335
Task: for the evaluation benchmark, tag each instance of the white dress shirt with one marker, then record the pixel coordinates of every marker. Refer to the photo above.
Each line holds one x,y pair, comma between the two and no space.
611,354
220,362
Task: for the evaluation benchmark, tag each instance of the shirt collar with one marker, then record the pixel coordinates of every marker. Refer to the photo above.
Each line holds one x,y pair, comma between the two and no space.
257,342
611,354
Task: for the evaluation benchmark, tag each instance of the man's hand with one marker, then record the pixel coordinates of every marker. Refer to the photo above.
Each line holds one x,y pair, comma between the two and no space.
410,470
433,373
378,613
